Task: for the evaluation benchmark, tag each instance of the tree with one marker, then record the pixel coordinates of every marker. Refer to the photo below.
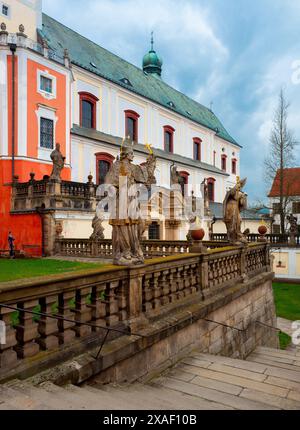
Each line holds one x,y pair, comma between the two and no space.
281,157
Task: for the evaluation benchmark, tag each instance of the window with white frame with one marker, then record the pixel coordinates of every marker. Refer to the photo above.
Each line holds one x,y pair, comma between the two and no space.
46,133
46,85
5,10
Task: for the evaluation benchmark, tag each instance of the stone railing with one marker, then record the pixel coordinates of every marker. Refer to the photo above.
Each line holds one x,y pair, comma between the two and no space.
274,239
52,195
103,248
62,314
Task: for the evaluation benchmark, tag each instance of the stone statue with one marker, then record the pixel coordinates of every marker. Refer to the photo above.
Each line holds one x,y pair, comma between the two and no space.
235,201
204,190
98,230
58,163
293,231
127,233
175,176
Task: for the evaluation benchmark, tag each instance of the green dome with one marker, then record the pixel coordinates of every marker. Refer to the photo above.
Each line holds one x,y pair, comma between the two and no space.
152,63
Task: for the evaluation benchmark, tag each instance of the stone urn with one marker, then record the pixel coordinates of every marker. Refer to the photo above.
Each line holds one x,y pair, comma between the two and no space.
198,234
262,230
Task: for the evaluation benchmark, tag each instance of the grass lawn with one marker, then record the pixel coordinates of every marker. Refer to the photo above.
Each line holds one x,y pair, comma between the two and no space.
20,269
287,301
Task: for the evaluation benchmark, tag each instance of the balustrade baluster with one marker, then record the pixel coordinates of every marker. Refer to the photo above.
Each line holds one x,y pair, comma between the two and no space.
112,307
48,327
27,330
66,306
8,356
83,311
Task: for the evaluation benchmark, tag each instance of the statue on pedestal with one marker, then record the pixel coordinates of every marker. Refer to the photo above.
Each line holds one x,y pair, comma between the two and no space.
234,202
293,231
205,195
127,231
98,230
58,163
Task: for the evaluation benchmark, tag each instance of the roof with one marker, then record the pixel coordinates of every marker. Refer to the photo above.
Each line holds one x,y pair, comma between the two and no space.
117,141
83,52
217,211
291,183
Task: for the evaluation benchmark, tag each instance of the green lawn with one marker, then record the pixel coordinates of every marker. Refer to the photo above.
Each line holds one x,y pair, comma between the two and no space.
20,269
287,301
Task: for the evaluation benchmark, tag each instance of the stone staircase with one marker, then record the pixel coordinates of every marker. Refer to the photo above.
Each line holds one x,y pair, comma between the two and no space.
269,379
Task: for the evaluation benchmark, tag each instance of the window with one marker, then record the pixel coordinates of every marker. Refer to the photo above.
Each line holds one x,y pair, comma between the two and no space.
5,10
88,108
47,133
276,208
211,189
169,138
46,84
197,148
154,231
296,207
131,125
276,229
223,162
233,166
215,157
185,181
103,163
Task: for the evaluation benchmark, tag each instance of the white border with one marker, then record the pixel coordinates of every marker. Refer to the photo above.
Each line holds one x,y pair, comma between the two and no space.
47,113
45,94
3,104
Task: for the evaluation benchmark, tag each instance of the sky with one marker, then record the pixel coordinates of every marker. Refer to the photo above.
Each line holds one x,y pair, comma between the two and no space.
233,55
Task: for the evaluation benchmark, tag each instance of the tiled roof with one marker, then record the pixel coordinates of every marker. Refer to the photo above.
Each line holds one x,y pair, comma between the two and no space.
291,183
97,60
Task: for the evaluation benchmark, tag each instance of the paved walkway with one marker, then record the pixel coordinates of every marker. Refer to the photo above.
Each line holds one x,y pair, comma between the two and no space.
269,379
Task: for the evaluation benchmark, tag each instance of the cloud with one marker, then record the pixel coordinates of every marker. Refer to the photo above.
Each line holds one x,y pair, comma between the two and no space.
213,50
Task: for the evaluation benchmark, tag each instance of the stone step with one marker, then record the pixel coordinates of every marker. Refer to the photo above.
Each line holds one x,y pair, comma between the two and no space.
283,354
14,399
150,397
214,395
233,362
273,361
82,399
270,399
278,352
235,381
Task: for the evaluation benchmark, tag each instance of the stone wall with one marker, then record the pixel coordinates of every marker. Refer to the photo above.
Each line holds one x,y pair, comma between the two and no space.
246,312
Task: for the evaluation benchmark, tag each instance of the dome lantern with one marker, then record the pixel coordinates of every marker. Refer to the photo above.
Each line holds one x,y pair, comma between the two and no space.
152,63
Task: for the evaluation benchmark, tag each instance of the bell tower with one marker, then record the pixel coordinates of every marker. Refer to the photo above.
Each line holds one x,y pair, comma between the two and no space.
26,12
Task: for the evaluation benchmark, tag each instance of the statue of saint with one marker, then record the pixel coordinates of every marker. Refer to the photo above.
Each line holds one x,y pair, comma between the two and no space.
127,232
235,201
98,230
58,163
293,231
205,195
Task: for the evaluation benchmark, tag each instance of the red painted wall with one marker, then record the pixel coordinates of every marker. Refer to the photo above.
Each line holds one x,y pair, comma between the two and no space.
27,229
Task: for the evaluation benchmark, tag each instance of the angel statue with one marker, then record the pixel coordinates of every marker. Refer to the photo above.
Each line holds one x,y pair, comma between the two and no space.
127,231
235,201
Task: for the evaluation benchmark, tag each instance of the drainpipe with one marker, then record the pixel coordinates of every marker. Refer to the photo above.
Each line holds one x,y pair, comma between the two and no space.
13,48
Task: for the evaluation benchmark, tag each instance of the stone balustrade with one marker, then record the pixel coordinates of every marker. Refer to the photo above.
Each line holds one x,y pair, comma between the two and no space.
273,239
103,248
52,195
52,311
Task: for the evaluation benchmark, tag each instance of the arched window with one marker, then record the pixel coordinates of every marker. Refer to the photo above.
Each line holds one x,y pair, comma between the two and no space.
88,109
185,177
131,125
169,138
103,163
233,166
223,162
197,148
211,189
